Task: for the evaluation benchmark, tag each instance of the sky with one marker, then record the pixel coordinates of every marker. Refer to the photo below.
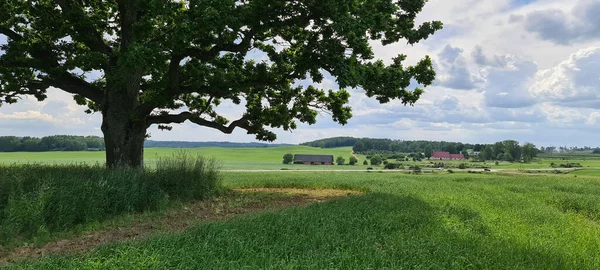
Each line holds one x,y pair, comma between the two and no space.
527,70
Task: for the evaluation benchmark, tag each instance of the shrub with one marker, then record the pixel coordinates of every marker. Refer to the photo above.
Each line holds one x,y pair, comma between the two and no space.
392,166
298,162
288,158
340,160
385,162
365,162
450,171
353,160
376,160
462,166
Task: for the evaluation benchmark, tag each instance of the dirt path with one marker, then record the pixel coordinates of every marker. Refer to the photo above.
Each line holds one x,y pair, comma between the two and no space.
237,203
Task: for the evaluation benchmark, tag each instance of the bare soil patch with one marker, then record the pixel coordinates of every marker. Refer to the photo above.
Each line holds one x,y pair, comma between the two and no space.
239,202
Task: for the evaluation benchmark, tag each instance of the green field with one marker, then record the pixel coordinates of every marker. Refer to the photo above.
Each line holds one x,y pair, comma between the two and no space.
442,221
231,158
266,158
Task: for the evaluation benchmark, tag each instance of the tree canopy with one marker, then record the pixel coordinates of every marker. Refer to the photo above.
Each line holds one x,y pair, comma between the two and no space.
156,62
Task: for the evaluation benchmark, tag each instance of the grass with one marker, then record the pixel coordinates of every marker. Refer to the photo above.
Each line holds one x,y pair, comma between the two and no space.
232,158
37,201
271,158
433,221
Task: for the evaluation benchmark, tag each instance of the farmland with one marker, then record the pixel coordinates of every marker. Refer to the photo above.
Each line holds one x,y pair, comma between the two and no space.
271,158
231,158
439,220
449,221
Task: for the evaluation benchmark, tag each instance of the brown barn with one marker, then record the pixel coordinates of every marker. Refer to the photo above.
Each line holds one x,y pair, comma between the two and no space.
313,159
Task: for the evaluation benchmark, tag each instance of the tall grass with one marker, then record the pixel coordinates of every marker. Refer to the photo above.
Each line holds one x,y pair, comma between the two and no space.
186,177
36,200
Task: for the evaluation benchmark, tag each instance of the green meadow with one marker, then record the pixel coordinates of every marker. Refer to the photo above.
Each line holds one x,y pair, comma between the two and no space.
270,158
439,220
404,221
231,158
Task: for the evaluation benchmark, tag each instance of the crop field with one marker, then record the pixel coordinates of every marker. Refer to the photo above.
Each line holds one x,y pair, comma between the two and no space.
271,158
231,158
443,221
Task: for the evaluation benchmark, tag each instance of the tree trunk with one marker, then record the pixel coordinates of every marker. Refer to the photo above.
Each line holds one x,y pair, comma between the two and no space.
124,132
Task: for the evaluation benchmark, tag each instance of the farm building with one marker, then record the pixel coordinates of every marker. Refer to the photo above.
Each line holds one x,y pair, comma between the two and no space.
313,159
446,155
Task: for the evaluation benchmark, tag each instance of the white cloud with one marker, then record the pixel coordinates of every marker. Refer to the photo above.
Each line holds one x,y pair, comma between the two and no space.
574,82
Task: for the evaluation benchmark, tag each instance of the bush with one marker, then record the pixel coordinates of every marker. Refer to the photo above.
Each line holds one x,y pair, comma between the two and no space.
40,199
385,162
365,162
288,158
450,171
340,160
376,160
392,166
353,160
462,166
298,162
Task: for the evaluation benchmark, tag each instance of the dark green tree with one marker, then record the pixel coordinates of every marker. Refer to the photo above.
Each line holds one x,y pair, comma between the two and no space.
340,160
154,62
528,152
288,158
465,153
512,147
365,162
451,147
352,160
428,151
488,153
376,160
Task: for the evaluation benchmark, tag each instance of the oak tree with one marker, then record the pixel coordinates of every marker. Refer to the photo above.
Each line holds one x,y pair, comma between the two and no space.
159,62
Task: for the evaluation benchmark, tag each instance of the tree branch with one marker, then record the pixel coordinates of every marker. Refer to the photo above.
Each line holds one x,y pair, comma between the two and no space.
90,36
243,46
185,116
10,33
71,84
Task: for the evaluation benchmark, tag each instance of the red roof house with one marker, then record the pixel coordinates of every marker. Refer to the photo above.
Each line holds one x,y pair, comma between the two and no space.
441,155
446,155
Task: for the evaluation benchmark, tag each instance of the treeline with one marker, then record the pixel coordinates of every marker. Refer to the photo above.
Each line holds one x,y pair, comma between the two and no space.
51,143
181,144
333,142
372,146
508,150
95,143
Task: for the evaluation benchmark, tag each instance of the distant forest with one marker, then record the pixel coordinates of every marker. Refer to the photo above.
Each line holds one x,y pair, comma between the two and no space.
509,150
361,145
333,142
51,143
95,143
178,144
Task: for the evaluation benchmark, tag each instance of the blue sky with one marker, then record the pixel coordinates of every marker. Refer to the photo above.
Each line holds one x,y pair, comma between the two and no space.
507,69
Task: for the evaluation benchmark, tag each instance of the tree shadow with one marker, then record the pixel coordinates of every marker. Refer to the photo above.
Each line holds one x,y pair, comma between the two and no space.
374,231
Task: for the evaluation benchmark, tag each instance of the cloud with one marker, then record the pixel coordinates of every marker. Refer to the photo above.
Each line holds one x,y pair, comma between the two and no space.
453,70
564,27
506,86
574,82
